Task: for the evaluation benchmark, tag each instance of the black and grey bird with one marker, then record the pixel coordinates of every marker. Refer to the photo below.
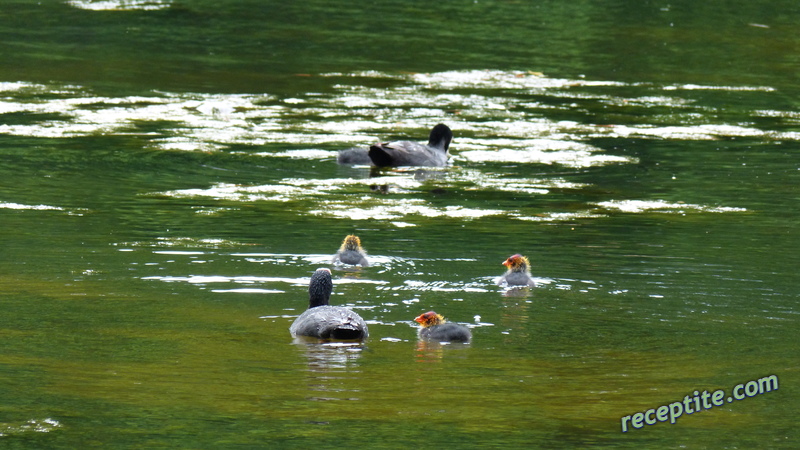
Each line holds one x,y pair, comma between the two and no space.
351,252
324,321
404,153
436,328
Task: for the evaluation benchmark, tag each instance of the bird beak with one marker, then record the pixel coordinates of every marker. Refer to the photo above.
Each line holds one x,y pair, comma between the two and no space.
506,263
419,319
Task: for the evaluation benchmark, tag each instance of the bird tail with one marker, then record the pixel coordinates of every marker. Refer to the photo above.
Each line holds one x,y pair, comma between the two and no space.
347,332
379,156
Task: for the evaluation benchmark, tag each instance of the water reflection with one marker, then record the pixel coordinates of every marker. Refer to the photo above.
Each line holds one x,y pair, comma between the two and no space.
434,352
120,5
516,291
31,426
333,368
639,187
22,207
499,125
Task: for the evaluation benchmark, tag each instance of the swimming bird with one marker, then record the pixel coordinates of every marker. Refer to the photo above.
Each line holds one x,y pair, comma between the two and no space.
324,321
518,273
436,328
403,153
407,153
351,252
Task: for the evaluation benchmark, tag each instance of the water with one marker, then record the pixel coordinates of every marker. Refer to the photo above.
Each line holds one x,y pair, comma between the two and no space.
169,185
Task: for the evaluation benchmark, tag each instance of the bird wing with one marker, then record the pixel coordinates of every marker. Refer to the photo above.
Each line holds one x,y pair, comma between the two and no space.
402,153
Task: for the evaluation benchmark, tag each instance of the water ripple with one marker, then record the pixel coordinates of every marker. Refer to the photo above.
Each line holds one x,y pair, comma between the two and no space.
120,5
500,119
34,425
636,206
502,107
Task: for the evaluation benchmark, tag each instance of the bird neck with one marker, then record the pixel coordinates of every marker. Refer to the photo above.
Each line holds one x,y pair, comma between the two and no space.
442,143
318,299
320,288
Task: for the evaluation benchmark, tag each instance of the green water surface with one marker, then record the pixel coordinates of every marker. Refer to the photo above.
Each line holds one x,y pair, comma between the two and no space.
168,184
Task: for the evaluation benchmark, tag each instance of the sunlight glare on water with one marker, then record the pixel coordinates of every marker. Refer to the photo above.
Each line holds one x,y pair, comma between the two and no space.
170,185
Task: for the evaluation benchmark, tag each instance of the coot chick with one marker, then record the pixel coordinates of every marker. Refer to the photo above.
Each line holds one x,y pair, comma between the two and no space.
406,153
435,328
323,321
518,273
351,252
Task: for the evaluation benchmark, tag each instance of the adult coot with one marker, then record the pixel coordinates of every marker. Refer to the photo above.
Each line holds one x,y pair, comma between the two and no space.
403,153
435,328
407,153
351,252
518,273
323,321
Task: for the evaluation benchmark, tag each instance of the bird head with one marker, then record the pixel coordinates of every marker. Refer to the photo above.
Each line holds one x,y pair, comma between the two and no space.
351,242
517,263
429,318
320,288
